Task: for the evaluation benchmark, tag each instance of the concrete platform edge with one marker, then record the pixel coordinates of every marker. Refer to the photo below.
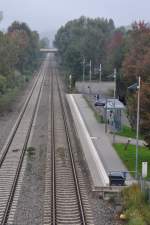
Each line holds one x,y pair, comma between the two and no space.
97,170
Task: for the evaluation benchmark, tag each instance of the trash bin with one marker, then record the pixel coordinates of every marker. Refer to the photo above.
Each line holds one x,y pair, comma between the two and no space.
117,178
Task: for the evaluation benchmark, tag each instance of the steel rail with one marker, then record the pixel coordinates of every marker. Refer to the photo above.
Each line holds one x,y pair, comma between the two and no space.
76,181
53,155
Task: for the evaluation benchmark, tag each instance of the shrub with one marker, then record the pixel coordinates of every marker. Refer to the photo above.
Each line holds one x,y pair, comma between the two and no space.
138,220
145,210
132,196
136,208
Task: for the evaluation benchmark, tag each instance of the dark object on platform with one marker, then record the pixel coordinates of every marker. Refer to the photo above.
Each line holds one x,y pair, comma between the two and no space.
117,178
100,102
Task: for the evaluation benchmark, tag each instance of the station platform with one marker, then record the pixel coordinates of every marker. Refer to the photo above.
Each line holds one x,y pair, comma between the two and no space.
98,150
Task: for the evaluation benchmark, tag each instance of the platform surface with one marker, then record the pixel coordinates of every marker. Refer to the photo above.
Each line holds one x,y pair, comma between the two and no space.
100,139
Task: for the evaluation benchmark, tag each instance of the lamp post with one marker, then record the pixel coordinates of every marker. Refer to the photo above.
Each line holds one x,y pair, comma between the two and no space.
106,115
137,87
100,72
114,128
137,124
70,81
83,69
90,70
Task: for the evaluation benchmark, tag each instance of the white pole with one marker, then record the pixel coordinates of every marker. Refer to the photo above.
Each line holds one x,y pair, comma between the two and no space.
90,70
83,68
100,72
70,79
137,124
114,128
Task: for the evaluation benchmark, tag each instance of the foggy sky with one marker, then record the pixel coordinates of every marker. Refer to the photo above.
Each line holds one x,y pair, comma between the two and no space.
46,15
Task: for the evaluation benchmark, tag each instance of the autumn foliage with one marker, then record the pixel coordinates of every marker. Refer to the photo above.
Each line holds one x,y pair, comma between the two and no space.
137,63
126,48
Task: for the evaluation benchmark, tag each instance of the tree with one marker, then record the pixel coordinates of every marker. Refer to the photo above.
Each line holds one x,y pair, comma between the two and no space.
27,45
44,42
83,37
19,52
1,15
137,63
8,54
145,111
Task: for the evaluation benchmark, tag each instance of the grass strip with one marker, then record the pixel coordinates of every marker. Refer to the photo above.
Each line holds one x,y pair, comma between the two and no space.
129,156
128,132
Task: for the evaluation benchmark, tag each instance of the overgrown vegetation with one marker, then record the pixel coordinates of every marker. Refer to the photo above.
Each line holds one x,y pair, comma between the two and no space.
135,205
31,151
128,156
127,50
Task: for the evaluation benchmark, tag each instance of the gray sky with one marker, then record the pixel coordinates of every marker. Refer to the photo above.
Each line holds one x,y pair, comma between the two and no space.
45,15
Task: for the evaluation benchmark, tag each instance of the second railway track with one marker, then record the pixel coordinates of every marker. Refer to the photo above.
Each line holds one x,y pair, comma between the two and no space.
12,154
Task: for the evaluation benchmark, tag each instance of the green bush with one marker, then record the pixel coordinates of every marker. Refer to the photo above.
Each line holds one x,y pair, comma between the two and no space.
136,208
132,197
129,157
145,210
7,99
137,220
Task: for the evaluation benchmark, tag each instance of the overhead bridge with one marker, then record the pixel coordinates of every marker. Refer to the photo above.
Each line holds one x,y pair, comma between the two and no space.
49,50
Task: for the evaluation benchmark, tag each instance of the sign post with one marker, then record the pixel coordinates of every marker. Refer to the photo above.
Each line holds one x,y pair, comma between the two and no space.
144,169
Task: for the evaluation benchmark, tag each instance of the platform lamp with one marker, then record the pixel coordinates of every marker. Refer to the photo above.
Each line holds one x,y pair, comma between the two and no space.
137,87
83,75
114,108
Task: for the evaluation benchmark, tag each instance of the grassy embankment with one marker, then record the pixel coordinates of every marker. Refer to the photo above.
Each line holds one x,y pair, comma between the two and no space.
136,207
127,131
128,156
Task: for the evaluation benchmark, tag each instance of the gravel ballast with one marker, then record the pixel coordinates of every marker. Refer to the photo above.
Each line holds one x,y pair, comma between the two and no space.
31,201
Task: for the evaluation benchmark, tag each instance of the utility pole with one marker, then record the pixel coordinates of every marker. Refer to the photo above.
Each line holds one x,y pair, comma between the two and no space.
83,69
70,81
106,115
114,128
137,124
100,72
90,70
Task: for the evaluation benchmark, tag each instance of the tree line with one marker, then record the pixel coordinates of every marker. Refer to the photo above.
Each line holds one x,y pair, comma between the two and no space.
126,49
19,57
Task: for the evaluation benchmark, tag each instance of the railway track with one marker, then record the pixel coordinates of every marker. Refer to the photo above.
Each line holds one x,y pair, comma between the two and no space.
66,200
13,152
